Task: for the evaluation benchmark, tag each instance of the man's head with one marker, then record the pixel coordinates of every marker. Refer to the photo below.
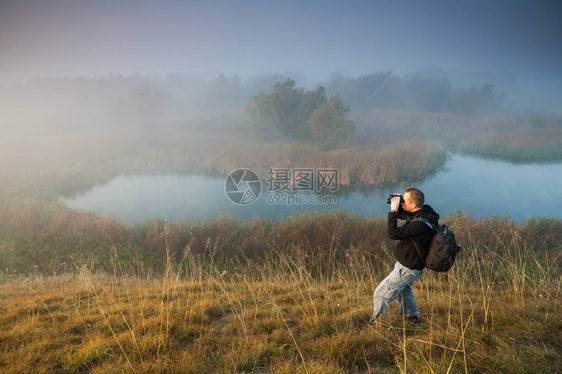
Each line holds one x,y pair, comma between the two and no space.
413,200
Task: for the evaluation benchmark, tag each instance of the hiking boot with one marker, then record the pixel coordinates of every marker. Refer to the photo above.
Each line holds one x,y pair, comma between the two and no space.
414,319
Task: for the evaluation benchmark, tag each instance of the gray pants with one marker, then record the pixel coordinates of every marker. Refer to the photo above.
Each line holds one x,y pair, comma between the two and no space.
397,285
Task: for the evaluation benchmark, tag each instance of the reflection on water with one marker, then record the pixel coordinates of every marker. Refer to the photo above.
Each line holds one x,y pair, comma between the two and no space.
480,187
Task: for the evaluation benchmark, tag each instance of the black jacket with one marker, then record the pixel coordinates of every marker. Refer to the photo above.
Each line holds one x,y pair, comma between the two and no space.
405,251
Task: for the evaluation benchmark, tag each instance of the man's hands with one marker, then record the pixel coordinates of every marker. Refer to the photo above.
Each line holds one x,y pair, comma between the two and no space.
395,203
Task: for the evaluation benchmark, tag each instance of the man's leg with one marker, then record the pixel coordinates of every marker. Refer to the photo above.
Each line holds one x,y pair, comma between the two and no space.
408,304
392,287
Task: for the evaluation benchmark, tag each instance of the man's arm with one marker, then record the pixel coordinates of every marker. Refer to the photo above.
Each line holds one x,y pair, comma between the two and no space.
410,230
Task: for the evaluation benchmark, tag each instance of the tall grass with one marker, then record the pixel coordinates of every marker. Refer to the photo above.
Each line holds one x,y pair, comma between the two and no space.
48,238
296,308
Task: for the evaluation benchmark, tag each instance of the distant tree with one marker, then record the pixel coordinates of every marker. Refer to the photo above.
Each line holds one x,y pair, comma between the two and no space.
285,101
427,91
427,94
287,112
311,100
329,124
262,118
378,90
261,83
148,104
492,101
224,93
473,101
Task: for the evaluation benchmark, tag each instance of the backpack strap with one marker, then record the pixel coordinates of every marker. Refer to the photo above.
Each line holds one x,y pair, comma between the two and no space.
418,251
427,222
416,244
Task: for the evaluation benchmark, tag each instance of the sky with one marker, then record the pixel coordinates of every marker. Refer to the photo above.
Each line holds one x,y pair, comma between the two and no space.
516,43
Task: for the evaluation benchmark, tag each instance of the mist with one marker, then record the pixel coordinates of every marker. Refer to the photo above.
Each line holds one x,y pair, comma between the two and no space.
74,72
514,45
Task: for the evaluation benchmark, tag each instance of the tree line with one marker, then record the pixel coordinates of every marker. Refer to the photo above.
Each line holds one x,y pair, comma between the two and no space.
276,106
416,92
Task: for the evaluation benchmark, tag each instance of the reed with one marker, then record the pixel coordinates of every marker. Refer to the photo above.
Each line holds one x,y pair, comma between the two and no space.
54,168
46,238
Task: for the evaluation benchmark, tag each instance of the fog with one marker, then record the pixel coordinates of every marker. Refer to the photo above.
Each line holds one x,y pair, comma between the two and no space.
74,68
513,45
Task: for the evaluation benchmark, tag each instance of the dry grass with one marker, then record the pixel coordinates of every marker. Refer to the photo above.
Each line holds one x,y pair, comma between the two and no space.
499,311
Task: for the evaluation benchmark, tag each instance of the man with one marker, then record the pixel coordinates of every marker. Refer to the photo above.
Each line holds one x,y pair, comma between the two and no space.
409,267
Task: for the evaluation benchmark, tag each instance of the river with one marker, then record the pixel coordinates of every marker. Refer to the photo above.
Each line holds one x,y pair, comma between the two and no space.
474,186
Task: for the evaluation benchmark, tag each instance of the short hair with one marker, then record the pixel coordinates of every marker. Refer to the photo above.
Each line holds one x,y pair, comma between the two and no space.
416,196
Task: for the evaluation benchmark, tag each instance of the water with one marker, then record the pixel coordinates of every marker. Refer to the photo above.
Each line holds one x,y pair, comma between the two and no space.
480,187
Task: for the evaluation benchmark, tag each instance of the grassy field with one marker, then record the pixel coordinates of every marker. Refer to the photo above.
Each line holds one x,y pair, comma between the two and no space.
299,305
503,317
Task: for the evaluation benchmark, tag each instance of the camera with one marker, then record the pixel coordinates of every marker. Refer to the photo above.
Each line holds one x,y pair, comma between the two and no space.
392,195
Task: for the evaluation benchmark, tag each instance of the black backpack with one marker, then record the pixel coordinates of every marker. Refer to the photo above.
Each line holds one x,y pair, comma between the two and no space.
443,249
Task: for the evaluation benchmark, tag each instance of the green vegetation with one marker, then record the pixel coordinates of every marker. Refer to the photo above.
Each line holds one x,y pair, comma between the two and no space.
296,114
71,163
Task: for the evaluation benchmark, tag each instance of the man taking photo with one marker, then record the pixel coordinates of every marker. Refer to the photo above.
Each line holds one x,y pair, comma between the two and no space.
410,262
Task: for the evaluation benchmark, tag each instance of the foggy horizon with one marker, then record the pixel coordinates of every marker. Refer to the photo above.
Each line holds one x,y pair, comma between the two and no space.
514,45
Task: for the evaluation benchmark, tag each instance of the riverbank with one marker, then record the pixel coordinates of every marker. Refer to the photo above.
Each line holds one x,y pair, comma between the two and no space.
516,138
388,148
54,166
38,237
